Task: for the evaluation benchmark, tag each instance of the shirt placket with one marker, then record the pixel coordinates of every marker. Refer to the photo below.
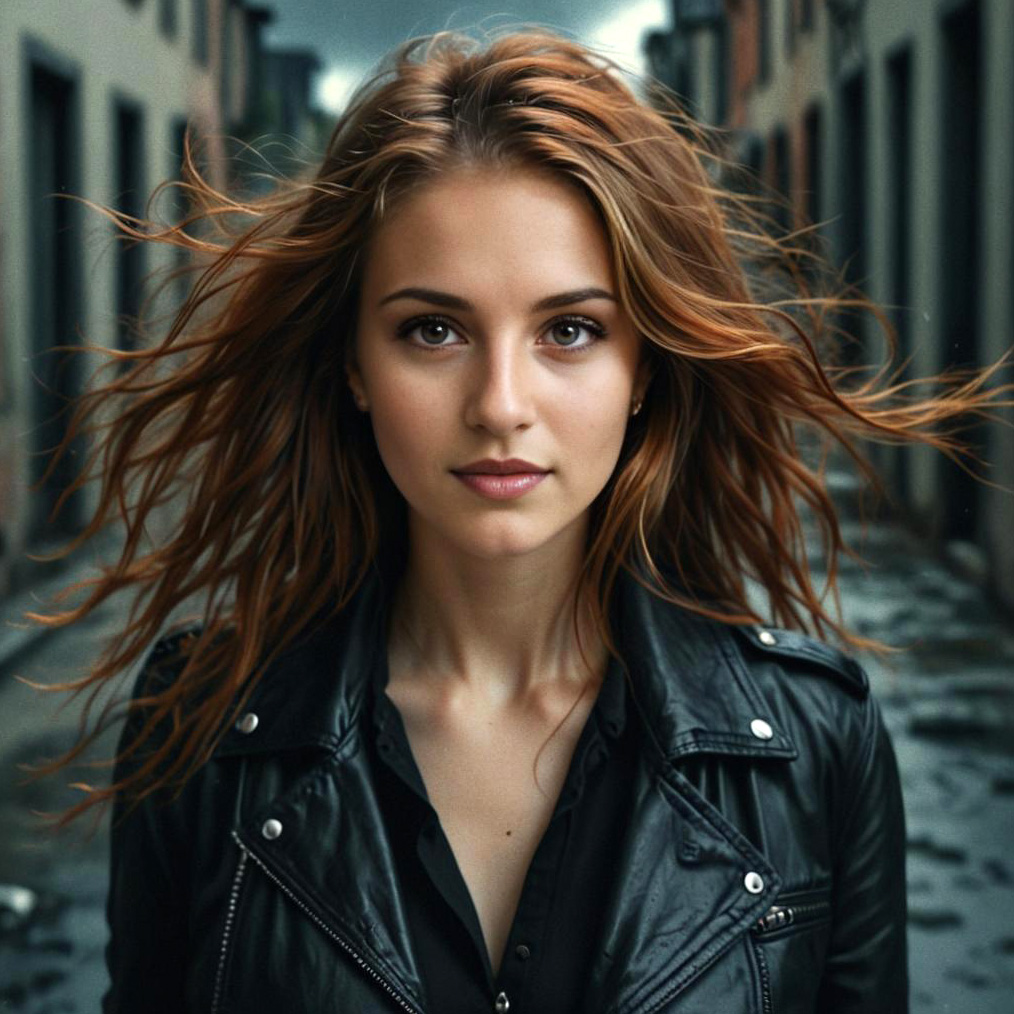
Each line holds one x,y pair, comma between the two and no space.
511,990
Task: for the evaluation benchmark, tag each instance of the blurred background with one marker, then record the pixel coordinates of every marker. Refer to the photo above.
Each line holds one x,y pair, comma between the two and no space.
890,122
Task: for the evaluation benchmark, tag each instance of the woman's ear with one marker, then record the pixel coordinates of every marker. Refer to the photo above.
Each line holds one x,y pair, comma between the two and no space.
354,377
645,371
356,386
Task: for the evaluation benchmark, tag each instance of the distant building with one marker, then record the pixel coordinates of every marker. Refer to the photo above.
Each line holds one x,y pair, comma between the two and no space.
288,79
94,101
893,125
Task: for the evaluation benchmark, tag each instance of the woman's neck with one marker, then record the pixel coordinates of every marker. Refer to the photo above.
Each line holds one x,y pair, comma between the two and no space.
502,629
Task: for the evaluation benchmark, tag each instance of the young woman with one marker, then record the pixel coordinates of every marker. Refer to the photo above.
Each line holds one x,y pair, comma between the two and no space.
480,440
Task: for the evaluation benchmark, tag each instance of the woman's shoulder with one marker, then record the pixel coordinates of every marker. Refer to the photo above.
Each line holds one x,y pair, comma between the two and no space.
819,693
165,659
760,648
800,655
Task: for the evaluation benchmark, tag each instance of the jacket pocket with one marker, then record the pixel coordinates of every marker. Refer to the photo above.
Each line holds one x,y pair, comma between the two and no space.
225,947
789,945
793,912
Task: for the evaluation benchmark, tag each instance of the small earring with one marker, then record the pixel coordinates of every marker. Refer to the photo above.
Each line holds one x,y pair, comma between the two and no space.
637,406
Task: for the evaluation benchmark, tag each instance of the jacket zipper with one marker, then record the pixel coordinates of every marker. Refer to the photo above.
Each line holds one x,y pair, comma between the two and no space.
779,916
341,941
237,883
765,978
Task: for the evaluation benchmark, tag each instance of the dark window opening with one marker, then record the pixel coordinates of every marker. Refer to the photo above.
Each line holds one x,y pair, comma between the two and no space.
199,34
961,99
181,206
56,292
806,15
852,191
781,175
168,18
813,139
129,198
899,142
763,40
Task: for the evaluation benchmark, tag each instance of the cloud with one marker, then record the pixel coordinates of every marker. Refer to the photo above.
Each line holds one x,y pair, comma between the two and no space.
335,86
619,36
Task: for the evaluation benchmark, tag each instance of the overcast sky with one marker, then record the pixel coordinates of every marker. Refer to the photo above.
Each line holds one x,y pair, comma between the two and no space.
351,37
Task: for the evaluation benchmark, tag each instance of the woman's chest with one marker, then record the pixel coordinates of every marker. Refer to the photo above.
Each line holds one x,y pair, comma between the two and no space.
494,783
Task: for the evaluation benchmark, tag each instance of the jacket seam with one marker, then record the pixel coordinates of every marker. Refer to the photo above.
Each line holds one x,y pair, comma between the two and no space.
869,734
734,659
844,666
727,747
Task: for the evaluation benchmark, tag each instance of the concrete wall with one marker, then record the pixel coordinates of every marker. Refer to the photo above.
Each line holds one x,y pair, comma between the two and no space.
814,72
112,49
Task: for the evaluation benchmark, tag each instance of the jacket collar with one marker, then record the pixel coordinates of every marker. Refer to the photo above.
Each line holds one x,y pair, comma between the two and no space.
692,688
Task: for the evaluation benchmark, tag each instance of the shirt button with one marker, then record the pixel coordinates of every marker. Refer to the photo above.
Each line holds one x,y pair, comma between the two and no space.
761,729
753,882
522,952
766,637
248,722
502,1004
272,829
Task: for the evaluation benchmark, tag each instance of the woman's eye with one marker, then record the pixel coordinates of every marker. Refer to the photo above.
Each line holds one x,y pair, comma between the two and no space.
565,333
432,331
570,331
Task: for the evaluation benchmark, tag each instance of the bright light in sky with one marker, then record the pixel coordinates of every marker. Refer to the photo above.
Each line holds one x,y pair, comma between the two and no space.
619,37
334,87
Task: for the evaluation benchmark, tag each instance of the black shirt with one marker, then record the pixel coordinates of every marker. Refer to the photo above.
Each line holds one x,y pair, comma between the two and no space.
556,926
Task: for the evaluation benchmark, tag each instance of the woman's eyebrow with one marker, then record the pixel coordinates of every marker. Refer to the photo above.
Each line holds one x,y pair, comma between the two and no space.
457,303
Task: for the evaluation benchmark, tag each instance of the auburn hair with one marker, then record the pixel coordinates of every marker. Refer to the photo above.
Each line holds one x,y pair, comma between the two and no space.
240,421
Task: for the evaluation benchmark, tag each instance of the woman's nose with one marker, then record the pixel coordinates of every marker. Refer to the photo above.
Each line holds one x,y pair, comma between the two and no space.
501,395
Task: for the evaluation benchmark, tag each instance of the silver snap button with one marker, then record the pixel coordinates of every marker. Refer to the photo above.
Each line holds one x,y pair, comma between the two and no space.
753,882
766,637
248,722
272,829
502,1004
761,729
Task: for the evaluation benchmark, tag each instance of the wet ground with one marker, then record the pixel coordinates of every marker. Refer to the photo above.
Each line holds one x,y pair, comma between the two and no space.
949,704
52,889
948,701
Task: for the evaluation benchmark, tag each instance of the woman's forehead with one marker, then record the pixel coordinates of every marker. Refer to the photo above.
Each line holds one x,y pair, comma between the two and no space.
531,226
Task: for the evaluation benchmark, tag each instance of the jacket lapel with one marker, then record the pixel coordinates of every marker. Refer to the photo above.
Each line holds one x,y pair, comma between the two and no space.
333,856
334,860
680,898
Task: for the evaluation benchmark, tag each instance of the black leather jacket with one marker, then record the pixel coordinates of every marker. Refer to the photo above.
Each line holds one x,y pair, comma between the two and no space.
765,872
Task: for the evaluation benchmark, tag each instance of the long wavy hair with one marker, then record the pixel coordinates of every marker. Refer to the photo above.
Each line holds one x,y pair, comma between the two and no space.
239,420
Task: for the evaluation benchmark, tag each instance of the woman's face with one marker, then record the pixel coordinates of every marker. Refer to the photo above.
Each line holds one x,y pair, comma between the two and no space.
488,328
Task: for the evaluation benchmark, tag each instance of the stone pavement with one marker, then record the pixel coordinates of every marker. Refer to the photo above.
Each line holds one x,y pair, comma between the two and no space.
948,701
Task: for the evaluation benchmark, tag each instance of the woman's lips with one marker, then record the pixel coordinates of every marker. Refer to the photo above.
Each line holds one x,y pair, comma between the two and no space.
501,487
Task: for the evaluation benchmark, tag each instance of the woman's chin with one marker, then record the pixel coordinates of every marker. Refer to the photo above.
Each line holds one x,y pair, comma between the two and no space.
500,542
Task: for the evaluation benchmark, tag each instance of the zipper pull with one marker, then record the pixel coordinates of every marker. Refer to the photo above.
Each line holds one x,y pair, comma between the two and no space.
779,916
774,918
